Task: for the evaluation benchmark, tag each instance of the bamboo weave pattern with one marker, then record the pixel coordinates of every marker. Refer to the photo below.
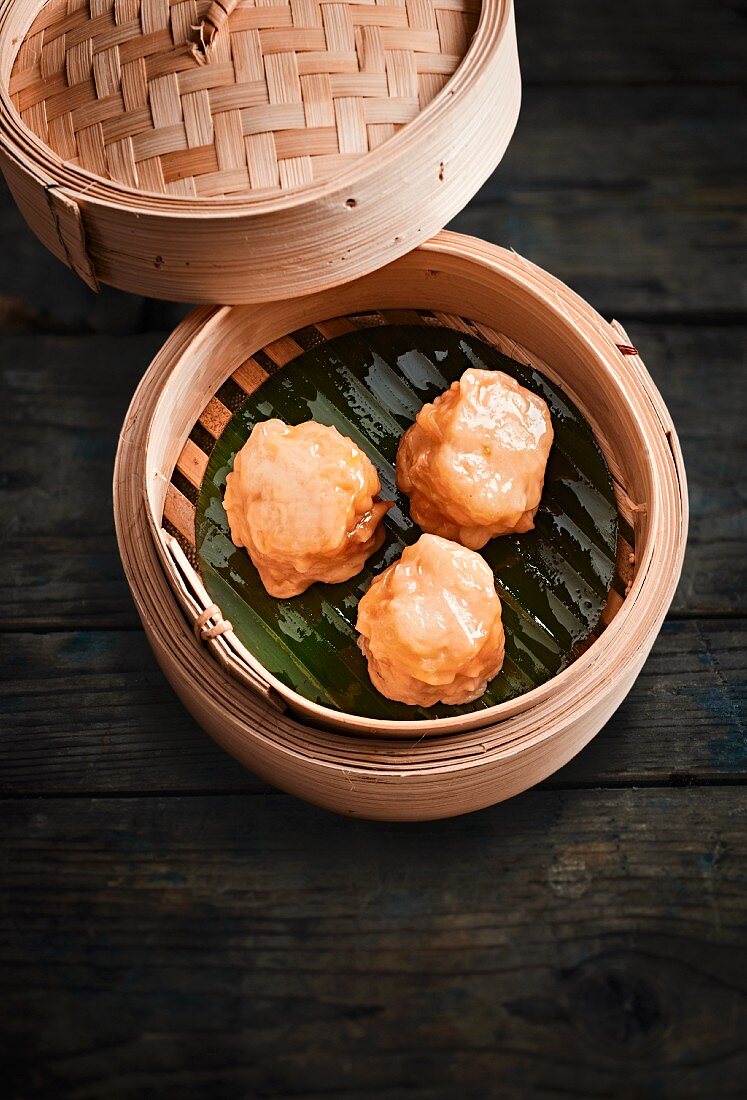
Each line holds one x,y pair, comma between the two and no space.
287,94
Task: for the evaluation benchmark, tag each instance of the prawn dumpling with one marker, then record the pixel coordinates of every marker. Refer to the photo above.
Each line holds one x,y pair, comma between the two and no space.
430,625
473,463
303,501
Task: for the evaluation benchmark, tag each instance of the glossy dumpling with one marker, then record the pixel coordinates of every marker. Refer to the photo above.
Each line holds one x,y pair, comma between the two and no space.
473,463
303,501
430,625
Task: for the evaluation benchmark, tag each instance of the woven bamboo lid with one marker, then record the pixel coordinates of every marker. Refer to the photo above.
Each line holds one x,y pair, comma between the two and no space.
245,150
283,96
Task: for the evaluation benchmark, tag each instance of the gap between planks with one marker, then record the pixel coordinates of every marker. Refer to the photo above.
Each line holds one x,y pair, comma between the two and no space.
675,782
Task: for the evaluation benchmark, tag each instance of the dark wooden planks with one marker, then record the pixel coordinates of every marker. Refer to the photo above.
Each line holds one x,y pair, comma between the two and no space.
635,197
65,398
90,711
586,944
632,41
656,145
702,374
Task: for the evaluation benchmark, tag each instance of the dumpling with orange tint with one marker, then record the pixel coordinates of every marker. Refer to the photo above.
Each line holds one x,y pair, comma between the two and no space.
473,463
430,625
304,501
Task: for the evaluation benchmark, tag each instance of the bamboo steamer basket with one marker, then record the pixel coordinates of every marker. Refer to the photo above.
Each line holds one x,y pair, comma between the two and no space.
442,768
249,150
180,509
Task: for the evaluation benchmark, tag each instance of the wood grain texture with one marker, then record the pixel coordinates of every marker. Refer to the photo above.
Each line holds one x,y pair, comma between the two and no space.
700,371
65,506
627,194
91,712
64,398
586,944
632,41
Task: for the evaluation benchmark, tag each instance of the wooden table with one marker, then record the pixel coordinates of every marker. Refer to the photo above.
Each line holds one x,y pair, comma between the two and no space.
171,926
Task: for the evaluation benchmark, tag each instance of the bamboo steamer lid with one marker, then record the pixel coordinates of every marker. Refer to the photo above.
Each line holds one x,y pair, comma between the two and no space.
249,150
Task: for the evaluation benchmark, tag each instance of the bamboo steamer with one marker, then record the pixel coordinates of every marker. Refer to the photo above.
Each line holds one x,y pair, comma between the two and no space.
349,766
250,151
179,534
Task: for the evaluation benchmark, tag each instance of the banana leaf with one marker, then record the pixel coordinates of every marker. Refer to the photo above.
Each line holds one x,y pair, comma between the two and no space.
370,384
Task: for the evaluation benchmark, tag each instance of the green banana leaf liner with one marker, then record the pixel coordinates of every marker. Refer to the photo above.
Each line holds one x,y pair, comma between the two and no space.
553,581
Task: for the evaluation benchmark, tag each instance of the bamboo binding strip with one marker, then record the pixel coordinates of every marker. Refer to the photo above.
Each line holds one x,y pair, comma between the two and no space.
241,151
528,738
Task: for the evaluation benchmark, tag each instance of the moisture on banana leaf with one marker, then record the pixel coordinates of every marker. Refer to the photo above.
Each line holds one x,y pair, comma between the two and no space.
553,581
